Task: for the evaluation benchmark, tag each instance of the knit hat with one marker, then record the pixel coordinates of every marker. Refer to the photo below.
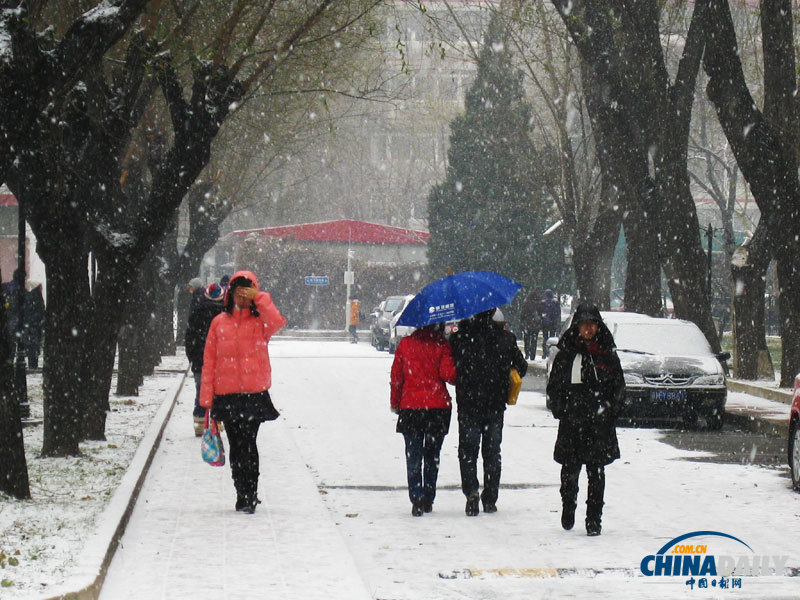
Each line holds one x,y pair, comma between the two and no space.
196,283
214,292
498,316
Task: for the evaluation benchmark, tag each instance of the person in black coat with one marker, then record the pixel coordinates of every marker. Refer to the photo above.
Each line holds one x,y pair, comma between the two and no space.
33,328
484,354
531,322
204,309
585,390
550,312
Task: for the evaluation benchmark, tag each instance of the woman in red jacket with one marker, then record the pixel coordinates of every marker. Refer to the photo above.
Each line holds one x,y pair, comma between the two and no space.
422,365
236,377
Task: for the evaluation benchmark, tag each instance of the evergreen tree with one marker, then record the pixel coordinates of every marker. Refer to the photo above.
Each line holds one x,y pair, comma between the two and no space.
491,210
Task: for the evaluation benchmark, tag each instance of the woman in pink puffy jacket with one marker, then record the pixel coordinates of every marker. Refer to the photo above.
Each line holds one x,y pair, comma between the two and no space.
237,376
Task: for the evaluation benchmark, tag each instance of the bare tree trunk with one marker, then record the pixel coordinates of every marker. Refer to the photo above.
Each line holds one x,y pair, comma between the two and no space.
128,364
65,335
14,474
748,268
111,291
624,167
612,41
766,159
593,255
643,271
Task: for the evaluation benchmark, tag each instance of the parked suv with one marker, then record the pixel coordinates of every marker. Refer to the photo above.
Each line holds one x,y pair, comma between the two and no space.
794,435
391,307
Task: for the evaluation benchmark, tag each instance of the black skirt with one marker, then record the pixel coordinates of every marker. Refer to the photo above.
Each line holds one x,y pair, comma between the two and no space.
244,407
430,420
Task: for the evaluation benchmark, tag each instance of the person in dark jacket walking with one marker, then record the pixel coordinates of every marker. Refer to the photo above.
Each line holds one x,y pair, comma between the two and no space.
422,365
203,312
484,355
33,327
585,389
550,312
531,323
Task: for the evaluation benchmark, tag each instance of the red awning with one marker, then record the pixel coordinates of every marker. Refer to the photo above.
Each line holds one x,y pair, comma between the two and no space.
6,197
342,230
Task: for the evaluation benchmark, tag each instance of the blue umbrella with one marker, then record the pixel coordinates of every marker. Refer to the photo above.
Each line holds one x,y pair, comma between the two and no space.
457,297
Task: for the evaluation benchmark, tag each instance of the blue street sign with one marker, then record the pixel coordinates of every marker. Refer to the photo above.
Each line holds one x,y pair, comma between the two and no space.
317,280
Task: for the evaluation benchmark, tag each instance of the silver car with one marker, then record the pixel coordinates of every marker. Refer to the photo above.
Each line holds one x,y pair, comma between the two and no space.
671,373
382,331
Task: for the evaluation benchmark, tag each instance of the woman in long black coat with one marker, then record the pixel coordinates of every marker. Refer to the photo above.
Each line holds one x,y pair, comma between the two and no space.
585,389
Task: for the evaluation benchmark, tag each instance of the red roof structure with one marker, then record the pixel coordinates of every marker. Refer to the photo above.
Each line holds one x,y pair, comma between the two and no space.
342,230
6,197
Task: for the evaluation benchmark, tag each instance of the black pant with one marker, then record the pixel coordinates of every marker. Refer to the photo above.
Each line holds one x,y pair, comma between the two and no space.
242,435
422,464
529,337
596,475
484,432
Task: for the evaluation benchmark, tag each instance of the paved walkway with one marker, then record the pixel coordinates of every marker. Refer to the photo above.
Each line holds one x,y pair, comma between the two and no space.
185,515
184,539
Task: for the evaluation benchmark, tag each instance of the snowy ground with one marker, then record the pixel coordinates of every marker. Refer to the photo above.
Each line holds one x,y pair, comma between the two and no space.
42,538
336,523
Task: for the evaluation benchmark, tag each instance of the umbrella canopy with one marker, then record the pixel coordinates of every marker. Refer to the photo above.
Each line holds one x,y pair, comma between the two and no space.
457,297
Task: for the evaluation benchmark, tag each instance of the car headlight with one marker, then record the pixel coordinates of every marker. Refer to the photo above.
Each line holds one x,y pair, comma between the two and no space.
633,379
710,380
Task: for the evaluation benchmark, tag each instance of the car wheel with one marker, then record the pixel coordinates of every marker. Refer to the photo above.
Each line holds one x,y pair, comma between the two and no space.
794,455
714,420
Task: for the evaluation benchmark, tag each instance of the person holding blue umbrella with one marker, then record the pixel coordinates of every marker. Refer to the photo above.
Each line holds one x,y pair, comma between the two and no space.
422,366
484,354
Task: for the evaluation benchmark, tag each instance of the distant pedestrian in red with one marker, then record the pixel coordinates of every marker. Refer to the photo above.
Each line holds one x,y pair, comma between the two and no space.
422,365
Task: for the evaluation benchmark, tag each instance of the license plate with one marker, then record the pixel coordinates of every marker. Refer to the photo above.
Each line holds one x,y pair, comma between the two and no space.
668,395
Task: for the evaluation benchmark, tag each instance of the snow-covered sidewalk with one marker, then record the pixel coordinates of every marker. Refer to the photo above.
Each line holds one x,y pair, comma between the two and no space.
186,541
336,523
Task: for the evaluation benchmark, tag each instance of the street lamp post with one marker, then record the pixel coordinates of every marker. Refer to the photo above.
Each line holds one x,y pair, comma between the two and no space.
20,377
709,238
349,279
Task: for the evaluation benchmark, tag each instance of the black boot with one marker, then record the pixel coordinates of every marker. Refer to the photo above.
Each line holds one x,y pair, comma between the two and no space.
568,515
594,500
416,509
569,494
593,526
472,509
427,506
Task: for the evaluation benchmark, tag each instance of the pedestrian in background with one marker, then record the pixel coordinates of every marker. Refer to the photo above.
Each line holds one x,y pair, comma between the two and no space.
237,376
203,312
422,365
585,388
33,327
531,323
11,300
484,355
355,319
196,290
550,312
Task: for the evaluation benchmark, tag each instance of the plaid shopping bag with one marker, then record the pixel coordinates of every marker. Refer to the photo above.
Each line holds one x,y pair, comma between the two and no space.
211,446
